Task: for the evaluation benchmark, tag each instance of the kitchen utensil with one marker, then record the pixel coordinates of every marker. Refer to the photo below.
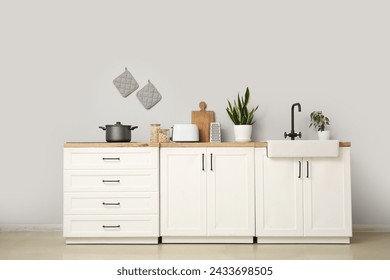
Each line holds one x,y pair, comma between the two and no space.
148,96
125,83
185,133
203,119
118,132
215,132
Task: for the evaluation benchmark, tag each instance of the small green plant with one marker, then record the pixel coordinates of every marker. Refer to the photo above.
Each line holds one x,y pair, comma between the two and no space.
239,113
318,120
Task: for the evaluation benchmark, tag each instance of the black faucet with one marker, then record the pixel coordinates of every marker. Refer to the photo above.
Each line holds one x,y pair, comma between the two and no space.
293,134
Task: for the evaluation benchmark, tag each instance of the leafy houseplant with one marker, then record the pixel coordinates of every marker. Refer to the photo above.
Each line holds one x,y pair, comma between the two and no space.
239,113
319,121
242,117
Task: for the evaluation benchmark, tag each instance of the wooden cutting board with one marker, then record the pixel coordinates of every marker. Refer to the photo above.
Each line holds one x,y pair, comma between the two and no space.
203,119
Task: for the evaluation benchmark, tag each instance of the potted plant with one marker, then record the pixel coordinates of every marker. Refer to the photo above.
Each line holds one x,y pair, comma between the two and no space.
242,117
319,121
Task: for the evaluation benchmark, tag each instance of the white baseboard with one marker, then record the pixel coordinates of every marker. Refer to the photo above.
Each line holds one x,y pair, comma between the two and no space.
58,227
371,227
31,227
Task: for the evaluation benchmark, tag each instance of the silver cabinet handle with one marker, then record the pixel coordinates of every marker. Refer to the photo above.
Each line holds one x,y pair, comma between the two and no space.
111,203
202,162
211,161
111,181
300,170
111,226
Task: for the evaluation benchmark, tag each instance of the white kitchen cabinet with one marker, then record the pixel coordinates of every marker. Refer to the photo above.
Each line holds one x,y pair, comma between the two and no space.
207,194
111,195
183,192
305,200
280,199
106,228
327,200
111,158
230,185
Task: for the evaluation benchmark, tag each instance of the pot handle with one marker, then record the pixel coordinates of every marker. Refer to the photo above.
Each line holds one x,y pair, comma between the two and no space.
102,127
133,127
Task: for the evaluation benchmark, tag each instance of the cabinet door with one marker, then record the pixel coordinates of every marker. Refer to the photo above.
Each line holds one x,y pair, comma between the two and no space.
279,196
327,195
230,190
183,192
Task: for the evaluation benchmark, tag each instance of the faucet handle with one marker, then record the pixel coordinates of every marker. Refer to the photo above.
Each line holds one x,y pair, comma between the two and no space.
300,135
285,135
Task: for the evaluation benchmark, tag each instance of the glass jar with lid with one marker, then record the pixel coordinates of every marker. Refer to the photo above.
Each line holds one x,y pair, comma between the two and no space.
154,131
163,135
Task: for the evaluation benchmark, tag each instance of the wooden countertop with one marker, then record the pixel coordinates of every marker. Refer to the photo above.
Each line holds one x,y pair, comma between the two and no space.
172,144
108,144
345,144
228,144
212,144
165,145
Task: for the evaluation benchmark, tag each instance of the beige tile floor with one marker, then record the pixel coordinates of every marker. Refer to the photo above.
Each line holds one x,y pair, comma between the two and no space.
50,245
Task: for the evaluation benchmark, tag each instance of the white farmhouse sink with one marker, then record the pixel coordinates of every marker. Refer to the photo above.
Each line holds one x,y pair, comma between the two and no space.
303,148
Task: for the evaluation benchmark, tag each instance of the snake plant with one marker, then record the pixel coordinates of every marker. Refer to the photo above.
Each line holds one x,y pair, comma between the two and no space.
239,113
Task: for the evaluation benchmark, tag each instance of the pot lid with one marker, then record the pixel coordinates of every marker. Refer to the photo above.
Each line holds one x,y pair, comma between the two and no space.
118,124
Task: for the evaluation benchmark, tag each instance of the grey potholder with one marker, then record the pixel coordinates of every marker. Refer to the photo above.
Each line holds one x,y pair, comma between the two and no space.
125,83
148,96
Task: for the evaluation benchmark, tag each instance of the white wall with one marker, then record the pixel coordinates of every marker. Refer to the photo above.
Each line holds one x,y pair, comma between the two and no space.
58,60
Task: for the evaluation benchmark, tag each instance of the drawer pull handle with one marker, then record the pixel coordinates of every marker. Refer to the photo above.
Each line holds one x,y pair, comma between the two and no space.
300,170
111,226
111,158
111,181
111,203
307,169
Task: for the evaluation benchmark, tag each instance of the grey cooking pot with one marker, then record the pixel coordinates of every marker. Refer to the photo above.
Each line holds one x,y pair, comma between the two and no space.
118,132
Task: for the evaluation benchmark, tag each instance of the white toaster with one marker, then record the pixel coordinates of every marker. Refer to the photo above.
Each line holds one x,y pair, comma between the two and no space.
185,133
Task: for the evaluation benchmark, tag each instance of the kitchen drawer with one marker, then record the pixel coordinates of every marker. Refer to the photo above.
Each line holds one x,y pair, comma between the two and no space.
111,226
111,203
110,158
111,180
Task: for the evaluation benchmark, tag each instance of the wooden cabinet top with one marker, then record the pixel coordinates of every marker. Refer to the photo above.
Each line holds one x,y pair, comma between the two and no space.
172,144
108,144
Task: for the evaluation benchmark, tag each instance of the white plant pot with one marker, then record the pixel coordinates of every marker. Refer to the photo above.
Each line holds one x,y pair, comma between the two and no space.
324,135
243,133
